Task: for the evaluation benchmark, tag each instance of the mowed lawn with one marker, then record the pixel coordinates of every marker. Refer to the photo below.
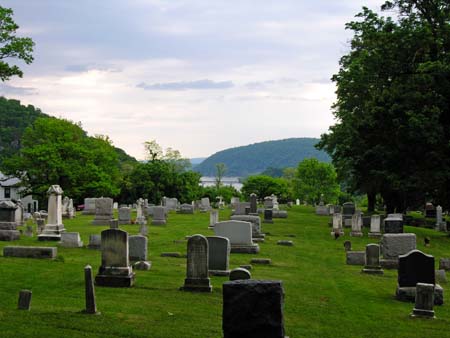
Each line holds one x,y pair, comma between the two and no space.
323,296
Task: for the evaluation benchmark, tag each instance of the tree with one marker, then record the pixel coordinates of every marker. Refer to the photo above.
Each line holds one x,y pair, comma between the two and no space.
221,169
12,46
314,178
56,151
392,108
264,186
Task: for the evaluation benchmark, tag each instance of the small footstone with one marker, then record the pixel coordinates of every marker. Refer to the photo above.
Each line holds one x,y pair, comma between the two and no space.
265,261
348,246
441,277
24,300
171,254
240,273
285,243
142,265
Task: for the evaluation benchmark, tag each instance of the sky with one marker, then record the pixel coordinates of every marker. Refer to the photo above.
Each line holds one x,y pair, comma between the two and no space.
198,76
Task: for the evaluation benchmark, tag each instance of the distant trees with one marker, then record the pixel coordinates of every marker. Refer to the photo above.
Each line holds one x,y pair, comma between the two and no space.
392,134
11,46
221,169
264,186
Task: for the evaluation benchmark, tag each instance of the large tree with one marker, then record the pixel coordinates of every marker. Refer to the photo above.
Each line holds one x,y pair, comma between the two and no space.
11,46
392,108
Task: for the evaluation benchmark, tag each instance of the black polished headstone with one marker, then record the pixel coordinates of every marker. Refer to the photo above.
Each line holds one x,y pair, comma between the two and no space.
415,267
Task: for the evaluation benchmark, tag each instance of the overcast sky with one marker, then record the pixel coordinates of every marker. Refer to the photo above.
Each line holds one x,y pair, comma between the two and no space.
196,75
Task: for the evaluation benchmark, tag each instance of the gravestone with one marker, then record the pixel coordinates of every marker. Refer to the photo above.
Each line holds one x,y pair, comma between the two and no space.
253,203
240,273
239,208
103,211
373,260
140,209
355,257
253,309
138,252
268,216
444,264
424,301
71,240
393,224
240,235
197,265
218,256
8,225
186,209
54,227
19,219
254,220
356,225
297,202
159,216
394,245
268,202
170,203
91,306
375,226
213,217
441,225
115,270
205,205
89,206
30,252
124,215
416,267
430,210
348,246
24,300
337,225
322,210
95,242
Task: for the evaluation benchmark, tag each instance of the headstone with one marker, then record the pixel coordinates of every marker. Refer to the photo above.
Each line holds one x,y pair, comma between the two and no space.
440,224
94,242
393,224
240,273
124,215
197,265
170,203
103,211
394,245
218,256
253,203
159,216
356,257
424,301
71,240
240,235
30,252
70,210
115,270
430,210
19,217
138,252
268,202
337,225
54,227
186,209
373,260
297,202
356,225
279,213
24,300
268,214
89,206
254,220
114,224
233,201
91,306
348,208
239,208
8,225
205,204
441,276
213,217
322,210
140,208
253,309
375,226
348,246
444,264
143,229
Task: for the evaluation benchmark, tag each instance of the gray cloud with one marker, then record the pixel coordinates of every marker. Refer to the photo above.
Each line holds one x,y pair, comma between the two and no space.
186,85
80,68
11,90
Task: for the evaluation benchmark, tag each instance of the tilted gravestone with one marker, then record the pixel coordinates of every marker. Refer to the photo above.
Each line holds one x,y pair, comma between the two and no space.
218,256
253,309
115,270
197,265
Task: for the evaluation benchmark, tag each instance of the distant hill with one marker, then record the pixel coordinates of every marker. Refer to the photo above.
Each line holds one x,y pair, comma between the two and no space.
196,161
256,158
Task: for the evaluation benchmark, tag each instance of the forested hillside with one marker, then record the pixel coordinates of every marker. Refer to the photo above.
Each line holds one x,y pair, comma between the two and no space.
255,158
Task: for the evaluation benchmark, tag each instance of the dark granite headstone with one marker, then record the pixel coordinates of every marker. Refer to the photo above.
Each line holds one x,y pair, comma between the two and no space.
268,216
393,225
415,267
253,309
348,208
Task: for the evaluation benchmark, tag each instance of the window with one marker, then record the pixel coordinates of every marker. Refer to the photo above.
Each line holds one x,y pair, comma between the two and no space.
7,192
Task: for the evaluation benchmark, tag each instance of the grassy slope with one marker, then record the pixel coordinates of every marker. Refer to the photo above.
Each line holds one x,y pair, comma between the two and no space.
324,297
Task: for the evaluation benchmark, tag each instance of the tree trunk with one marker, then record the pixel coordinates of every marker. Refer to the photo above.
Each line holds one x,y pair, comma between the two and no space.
371,197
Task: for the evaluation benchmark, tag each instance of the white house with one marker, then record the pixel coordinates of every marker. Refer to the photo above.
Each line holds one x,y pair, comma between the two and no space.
10,190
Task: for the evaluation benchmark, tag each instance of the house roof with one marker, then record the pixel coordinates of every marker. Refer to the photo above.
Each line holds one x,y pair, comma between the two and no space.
6,181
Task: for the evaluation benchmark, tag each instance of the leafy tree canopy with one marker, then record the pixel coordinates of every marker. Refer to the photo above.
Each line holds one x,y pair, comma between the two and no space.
264,186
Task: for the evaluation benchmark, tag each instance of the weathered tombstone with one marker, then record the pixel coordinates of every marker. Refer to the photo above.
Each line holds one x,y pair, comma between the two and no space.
394,245
430,210
356,225
103,211
213,217
115,269
321,209
114,224
268,202
348,246
240,235
416,267
218,256
45,252
138,252
373,260
70,209
8,225
268,214
243,313
140,208
29,231
19,219
91,306
143,229
24,300
444,264
253,203
205,204
355,257
256,225
197,265
159,216
54,227
64,206
393,224
424,301
239,208
95,242
375,226
89,206
186,209
337,225
441,277
240,273
441,225
71,240
124,215
297,202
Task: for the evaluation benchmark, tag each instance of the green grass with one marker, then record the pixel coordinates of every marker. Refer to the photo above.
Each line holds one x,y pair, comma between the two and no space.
323,296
